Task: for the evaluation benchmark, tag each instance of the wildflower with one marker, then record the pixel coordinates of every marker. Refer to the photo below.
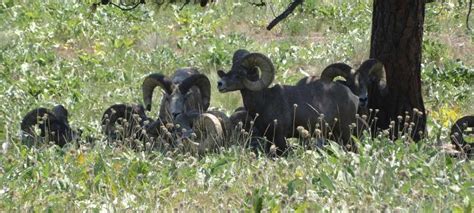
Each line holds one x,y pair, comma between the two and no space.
5,147
299,173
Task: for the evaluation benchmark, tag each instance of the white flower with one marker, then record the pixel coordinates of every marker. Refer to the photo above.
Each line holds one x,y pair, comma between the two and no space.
5,147
24,67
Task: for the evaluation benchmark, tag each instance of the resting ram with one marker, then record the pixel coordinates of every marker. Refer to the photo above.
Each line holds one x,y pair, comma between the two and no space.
281,109
129,121
194,95
370,71
211,127
187,95
460,131
53,126
197,98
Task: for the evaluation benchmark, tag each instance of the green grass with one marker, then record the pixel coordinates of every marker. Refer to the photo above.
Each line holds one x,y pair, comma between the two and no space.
57,53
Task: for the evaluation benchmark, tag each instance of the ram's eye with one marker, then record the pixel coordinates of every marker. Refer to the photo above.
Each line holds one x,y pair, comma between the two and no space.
221,73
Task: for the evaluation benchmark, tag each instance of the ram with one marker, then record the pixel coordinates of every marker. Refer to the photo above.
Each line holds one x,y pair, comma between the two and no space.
52,124
197,97
211,127
281,109
129,121
370,72
463,129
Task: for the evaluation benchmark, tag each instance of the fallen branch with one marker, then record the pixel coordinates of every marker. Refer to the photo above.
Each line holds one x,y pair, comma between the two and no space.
285,13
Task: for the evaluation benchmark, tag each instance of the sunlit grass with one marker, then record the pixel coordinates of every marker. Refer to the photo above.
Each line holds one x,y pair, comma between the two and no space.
61,53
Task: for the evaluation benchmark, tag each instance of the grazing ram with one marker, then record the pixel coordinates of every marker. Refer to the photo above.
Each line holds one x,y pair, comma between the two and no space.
281,109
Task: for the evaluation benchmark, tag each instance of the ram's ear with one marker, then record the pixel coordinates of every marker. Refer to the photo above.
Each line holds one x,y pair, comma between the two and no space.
384,90
220,73
204,3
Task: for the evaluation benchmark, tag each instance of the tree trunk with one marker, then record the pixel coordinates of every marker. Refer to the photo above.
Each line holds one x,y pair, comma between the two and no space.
397,35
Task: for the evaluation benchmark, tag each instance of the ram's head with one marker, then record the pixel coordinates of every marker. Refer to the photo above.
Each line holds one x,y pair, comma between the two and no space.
196,98
370,72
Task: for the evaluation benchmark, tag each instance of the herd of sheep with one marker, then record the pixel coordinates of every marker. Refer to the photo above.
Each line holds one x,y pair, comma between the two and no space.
314,110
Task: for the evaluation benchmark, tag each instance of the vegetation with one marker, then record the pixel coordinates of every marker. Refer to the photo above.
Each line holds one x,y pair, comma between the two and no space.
60,52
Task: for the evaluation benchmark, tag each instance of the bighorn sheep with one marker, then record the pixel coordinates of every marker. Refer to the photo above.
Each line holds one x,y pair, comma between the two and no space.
189,92
463,127
129,123
189,96
53,125
281,109
358,81
197,98
203,123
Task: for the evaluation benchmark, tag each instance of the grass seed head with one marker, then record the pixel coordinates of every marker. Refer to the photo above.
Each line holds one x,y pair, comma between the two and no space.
299,129
273,149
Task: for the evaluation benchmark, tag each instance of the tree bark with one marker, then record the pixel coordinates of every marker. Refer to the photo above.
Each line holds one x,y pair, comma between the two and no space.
397,35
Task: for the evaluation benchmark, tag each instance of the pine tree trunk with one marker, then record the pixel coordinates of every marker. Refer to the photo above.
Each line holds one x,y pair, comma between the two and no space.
397,35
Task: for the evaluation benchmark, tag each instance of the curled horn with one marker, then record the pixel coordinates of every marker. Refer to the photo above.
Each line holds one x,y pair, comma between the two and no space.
338,69
209,125
254,60
183,73
458,130
238,55
204,85
375,68
223,119
149,84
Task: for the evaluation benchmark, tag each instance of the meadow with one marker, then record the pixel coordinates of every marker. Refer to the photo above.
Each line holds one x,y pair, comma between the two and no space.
62,52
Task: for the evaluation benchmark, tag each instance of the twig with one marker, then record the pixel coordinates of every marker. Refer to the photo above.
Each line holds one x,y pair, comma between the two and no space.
185,3
285,13
106,2
469,14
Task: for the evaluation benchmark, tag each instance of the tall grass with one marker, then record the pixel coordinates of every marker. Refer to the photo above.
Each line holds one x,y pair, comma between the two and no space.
59,52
